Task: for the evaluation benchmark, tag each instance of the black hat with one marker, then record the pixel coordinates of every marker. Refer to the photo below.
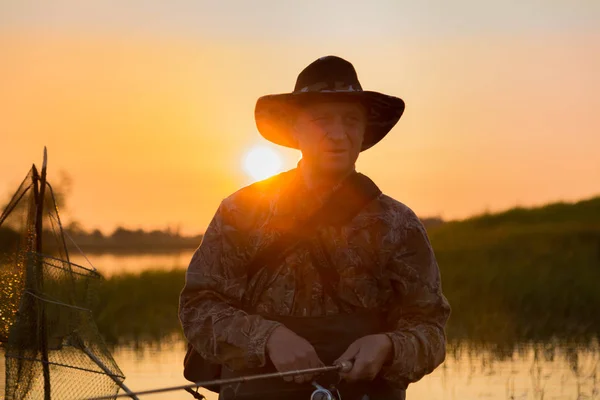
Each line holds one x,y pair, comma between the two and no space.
328,77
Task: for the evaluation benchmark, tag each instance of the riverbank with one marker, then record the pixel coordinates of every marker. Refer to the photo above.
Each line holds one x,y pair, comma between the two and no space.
522,275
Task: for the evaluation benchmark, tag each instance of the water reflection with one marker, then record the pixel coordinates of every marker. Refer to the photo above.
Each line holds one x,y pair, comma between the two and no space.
540,373
113,263
543,372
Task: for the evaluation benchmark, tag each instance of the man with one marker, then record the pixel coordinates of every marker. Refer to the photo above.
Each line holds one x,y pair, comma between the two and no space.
364,287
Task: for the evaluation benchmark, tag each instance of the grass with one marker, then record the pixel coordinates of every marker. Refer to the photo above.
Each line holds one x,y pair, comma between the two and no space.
140,307
521,275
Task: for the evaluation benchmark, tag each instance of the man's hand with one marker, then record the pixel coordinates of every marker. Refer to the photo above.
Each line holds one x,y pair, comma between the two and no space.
290,352
368,355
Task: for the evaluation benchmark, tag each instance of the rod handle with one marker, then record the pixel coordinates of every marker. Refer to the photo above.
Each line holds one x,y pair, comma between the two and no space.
344,366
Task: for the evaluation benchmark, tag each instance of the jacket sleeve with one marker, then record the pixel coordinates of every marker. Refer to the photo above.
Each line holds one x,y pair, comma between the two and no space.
209,309
419,312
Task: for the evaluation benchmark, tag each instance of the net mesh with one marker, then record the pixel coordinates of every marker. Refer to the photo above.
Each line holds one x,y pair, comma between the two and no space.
53,349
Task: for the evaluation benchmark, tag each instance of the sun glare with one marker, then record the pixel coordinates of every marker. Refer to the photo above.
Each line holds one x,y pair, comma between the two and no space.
261,162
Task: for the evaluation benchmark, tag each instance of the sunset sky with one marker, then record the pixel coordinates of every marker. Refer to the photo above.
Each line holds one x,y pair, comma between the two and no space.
148,105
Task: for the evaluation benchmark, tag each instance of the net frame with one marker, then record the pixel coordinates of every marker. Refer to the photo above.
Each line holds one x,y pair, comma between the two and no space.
52,346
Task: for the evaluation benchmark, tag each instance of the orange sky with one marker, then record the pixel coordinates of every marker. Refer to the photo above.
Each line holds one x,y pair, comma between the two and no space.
152,127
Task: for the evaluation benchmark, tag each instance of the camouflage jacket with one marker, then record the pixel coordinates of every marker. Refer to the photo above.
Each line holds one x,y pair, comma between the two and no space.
402,277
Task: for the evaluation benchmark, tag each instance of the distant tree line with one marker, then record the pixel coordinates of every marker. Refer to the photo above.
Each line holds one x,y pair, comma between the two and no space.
129,240
121,240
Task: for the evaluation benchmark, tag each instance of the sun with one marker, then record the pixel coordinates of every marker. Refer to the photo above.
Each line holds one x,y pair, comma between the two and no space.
261,162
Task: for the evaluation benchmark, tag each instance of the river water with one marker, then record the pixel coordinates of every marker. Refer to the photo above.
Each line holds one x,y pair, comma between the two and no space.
109,264
544,372
563,373
560,373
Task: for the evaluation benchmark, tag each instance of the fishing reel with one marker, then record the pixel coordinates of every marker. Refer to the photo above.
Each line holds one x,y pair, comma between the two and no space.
321,393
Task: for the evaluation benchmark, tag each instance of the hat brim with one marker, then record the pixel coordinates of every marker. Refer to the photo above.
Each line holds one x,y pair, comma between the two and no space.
274,114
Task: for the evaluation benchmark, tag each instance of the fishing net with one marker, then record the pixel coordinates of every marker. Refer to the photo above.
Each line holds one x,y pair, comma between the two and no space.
53,349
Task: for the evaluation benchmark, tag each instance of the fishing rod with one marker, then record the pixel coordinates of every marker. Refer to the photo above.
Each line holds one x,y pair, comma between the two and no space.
343,366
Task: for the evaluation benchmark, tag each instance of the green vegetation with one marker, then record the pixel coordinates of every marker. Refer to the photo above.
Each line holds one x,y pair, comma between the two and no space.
520,275
142,307
523,274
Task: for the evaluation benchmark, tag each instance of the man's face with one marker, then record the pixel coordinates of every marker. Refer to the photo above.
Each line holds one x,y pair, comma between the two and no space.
330,135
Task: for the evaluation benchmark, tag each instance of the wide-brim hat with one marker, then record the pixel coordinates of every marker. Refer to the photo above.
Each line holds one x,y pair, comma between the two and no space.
328,78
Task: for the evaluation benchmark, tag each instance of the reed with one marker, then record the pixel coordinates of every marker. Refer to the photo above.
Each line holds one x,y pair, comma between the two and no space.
142,307
522,275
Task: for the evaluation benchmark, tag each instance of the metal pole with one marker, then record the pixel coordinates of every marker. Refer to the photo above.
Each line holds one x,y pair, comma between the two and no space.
39,194
344,366
93,357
